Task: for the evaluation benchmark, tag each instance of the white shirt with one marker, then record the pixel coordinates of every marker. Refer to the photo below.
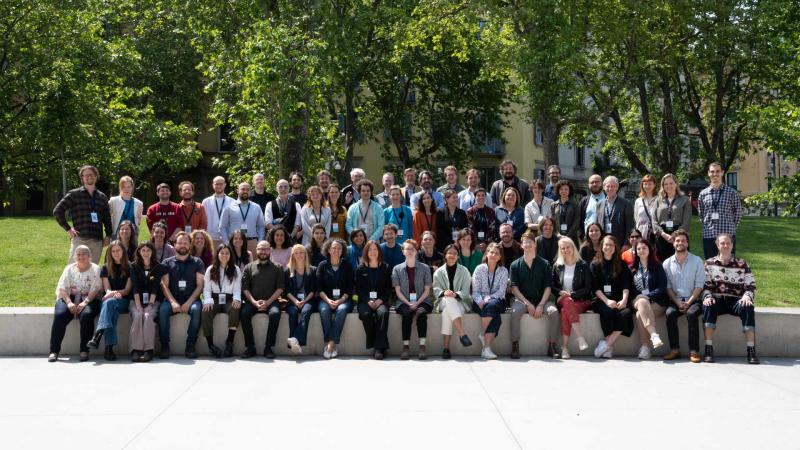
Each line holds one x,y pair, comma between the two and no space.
232,288
466,200
84,282
569,275
214,207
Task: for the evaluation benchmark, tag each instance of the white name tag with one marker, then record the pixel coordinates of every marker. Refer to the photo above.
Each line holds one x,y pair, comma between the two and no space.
670,224
608,228
337,293
94,217
455,235
481,234
187,229
400,232
335,228
510,222
412,297
373,295
607,288
646,292
714,216
276,221
563,228
364,226
146,298
222,298
243,227
182,284
301,296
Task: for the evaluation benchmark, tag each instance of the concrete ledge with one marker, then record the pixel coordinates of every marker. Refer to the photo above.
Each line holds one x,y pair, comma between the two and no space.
26,331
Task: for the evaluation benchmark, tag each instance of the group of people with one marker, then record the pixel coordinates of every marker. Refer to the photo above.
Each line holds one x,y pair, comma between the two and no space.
527,248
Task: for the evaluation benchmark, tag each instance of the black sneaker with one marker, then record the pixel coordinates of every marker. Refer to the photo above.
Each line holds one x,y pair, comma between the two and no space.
191,353
379,355
215,351
709,356
164,353
268,353
446,353
752,358
109,354
228,350
136,355
552,351
249,352
94,342
465,341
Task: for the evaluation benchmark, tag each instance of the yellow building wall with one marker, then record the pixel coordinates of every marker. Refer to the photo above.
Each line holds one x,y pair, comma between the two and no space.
754,169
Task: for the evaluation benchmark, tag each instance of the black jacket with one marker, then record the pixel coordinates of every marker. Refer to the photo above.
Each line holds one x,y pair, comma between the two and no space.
581,281
382,284
328,280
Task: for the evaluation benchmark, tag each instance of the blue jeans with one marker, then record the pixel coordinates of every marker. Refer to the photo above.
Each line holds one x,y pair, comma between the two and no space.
333,321
298,320
729,306
109,315
710,247
164,314
493,308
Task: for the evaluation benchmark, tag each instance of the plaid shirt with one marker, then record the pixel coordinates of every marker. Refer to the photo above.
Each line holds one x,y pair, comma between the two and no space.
732,279
724,201
80,206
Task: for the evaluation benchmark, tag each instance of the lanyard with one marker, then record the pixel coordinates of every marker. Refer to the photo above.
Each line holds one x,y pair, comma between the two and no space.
563,212
429,221
363,216
645,276
219,208
491,281
402,215
317,218
715,198
244,214
610,211
284,207
669,207
189,217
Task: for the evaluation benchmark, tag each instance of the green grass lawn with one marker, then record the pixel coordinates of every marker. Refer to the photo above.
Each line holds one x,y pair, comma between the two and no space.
33,251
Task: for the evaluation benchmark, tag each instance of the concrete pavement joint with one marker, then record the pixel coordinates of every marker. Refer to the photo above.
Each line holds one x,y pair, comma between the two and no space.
502,417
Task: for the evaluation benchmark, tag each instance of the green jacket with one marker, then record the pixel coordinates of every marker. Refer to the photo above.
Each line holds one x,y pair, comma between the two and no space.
461,282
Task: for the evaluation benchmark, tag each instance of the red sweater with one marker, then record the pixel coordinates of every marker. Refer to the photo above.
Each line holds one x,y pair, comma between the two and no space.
170,214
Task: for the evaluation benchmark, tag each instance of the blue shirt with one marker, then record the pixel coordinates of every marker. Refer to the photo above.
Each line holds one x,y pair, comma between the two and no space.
403,217
392,256
438,198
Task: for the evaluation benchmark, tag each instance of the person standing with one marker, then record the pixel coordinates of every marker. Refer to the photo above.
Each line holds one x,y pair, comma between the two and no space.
77,292
349,193
412,287
425,217
399,214
222,293
530,282
426,181
644,208
315,211
338,213
125,207
554,176
449,221
685,280
262,284
165,210
296,181
547,241
614,214
720,211
451,178
539,207
410,188
673,212
466,198
589,203
730,288
194,214
452,299
481,219
284,211
162,247
324,179
243,215
373,285
508,171
384,198
182,284
260,195
202,246
90,213
468,255
565,212
365,214
214,205
510,212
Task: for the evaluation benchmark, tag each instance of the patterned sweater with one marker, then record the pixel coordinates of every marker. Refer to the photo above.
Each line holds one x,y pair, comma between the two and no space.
732,279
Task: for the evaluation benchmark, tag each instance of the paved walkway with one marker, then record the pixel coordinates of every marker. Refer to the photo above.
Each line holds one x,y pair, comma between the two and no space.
358,403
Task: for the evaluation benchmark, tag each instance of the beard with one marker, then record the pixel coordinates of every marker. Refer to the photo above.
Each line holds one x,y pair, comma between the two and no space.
262,257
183,251
508,176
597,190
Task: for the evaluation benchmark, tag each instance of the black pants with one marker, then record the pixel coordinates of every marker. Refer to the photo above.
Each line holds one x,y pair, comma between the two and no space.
693,320
612,320
408,317
376,325
62,317
274,314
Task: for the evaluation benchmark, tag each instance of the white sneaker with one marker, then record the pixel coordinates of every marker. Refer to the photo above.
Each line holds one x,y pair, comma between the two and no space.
602,346
582,345
656,340
326,354
487,353
644,352
335,353
482,339
295,345
608,354
565,353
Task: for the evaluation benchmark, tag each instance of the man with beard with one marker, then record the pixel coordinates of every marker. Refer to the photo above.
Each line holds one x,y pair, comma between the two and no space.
194,215
296,181
165,211
510,248
284,211
553,174
410,188
508,170
181,285
262,284
426,181
243,215
466,198
90,213
451,176
260,195
720,210
588,205
685,279
214,205
366,214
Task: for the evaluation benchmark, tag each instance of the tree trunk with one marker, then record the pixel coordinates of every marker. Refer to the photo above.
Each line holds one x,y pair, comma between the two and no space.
551,131
349,138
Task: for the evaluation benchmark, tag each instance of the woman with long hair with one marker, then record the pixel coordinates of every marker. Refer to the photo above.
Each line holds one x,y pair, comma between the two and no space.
315,212
146,274
314,247
452,299
354,251
650,296
591,242
301,291
202,247
449,220
159,238
489,283
425,216
338,212
373,286
468,255
644,208
281,245
240,255
572,286
673,212
335,287
611,282
565,212
116,278
428,253
126,235
222,293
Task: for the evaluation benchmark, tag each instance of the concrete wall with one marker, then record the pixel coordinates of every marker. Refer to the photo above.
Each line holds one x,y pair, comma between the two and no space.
26,331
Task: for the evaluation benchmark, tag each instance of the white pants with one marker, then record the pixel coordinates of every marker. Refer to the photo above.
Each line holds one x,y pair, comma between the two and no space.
452,309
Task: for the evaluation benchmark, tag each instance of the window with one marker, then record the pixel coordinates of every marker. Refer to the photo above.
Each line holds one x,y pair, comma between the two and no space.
488,175
732,179
580,156
539,136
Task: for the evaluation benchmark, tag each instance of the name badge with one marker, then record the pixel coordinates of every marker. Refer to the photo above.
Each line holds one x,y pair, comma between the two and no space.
455,235
335,228
222,298
563,228
608,227
679,291
373,295
94,217
670,224
243,227
182,284
607,288
146,298
510,222
481,234
714,216
301,296
187,229
276,221
400,232
646,292
412,297
364,226
337,293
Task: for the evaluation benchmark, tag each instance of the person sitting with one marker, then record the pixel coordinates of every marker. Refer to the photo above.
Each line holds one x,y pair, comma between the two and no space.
222,293
452,299
412,288
685,280
572,286
116,277
650,296
489,283
373,285
611,282
301,284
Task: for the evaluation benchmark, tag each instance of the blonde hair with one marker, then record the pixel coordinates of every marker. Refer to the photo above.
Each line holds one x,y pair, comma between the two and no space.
123,180
575,254
662,193
292,267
